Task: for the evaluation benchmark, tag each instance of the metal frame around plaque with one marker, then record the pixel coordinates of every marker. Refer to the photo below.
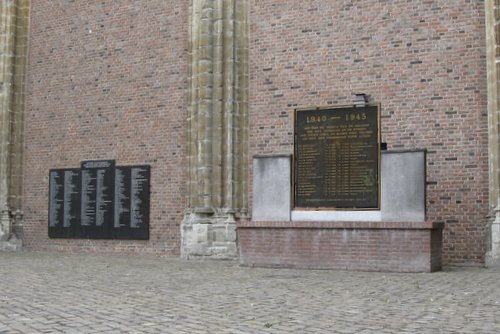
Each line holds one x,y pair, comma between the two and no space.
335,108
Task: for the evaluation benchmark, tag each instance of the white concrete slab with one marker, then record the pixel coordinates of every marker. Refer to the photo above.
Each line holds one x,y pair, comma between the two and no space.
271,188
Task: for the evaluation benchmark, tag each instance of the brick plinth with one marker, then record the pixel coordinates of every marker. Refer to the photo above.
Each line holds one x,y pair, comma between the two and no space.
372,246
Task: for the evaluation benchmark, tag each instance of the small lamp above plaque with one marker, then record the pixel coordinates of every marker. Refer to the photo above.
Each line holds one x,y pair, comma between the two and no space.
361,100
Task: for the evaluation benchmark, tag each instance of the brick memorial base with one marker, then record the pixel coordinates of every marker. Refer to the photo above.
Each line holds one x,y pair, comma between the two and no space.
395,238
371,246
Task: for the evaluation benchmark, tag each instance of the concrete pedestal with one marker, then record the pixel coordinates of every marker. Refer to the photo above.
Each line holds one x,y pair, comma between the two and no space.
395,238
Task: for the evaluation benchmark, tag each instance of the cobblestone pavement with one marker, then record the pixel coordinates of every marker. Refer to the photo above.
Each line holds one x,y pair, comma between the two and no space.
68,293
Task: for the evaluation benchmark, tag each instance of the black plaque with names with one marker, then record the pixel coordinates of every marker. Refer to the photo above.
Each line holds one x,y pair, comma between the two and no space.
64,203
99,201
97,198
336,160
132,191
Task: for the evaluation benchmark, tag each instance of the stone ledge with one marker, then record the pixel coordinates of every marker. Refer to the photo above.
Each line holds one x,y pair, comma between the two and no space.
341,225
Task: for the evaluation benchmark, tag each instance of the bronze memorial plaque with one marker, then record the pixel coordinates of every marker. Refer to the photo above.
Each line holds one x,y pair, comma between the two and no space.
336,160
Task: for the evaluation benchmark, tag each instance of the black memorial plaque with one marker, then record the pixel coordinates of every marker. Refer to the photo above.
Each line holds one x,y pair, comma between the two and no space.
64,203
336,161
131,218
97,198
99,201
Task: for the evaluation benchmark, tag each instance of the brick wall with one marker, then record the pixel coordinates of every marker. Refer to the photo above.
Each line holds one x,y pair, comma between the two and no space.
373,246
107,80
424,61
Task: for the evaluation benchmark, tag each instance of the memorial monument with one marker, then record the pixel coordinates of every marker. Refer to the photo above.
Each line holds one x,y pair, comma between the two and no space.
337,158
100,201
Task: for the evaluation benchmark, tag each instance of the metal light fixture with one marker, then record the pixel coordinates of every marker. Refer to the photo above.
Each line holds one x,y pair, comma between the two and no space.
361,100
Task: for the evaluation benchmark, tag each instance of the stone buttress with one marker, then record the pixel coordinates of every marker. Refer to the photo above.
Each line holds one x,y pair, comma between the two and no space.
14,25
217,127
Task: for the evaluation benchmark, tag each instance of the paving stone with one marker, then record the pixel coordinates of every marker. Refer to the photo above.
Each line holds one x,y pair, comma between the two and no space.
73,293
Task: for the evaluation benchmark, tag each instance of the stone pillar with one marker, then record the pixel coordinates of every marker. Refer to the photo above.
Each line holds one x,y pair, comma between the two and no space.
7,38
492,8
14,23
217,127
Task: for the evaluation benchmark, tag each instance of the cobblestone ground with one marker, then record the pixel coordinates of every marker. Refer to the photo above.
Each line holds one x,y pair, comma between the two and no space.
68,293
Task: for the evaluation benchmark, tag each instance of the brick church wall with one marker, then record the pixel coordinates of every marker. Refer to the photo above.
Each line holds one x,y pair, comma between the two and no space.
107,80
424,61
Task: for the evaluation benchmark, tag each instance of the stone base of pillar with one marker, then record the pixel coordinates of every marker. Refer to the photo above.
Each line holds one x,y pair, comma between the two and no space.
8,240
209,236
5,226
493,256
12,245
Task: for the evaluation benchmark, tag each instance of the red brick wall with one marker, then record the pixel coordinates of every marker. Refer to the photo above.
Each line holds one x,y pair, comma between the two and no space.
424,61
374,246
107,80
